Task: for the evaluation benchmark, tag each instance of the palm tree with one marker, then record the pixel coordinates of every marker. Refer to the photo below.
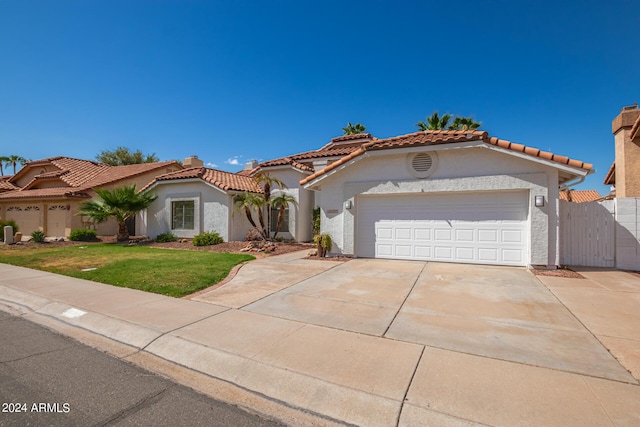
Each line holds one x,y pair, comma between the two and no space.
354,129
13,160
282,201
266,182
246,202
2,160
435,122
121,203
464,123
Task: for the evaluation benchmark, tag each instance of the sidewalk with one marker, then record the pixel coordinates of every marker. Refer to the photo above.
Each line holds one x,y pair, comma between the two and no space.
305,374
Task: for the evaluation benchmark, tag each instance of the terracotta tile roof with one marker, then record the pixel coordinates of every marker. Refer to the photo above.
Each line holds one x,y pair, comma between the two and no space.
39,193
445,137
224,180
76,177
635,130
285,161
117,173
580,196
610,178
5,185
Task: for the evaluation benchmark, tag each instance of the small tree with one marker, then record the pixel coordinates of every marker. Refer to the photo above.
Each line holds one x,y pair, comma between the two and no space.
246,202
435,122
282,201
123,156
13,160
266,182
120,203
352,129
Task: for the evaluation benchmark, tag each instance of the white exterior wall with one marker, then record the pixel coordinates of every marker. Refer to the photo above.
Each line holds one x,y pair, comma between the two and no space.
460,169
299,216
628,234
211,209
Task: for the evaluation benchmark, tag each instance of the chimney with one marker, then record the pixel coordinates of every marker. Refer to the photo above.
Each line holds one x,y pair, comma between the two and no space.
192,162
251,164
627,153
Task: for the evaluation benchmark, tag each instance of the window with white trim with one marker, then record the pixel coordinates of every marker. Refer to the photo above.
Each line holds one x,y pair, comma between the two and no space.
182,215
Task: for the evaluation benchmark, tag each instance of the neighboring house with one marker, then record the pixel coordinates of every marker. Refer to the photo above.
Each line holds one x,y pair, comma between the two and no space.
459,196
209,194
45,194
195,200
580,196
624,173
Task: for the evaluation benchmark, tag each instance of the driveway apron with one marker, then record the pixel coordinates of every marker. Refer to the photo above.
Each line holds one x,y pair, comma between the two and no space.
503,313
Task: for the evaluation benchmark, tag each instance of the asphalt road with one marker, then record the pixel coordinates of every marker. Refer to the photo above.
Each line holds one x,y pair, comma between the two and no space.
47,379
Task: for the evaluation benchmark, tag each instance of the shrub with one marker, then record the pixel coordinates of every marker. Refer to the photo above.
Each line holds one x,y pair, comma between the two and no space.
83,235
38,236
316,220
166,237
207,239
324,242
4,223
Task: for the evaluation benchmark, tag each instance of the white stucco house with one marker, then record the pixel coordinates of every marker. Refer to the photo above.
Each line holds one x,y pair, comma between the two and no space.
457,196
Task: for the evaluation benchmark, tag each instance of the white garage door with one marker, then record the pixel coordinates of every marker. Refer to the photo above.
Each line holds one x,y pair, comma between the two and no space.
56,218
479,228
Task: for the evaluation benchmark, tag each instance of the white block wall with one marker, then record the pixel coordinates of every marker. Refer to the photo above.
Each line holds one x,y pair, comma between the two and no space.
628,234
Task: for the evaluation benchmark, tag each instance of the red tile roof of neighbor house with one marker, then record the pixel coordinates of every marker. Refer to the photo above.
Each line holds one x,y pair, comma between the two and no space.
580,196
5,185
610,178
435,137
76,177
224,180
635,130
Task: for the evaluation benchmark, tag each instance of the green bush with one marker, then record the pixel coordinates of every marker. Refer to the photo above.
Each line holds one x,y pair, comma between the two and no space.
4,223
316,220
166,237
83,235
207,239
38,236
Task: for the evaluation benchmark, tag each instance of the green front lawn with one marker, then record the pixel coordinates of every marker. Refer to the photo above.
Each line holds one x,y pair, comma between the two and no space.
169,272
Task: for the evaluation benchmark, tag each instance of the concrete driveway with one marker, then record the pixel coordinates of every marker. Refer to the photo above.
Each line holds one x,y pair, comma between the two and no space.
504,313
372,342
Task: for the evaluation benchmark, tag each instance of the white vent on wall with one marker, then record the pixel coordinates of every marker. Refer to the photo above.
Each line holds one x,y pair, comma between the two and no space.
421,165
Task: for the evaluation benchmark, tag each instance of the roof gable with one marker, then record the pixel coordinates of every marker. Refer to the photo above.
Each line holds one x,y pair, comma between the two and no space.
225,181
441,137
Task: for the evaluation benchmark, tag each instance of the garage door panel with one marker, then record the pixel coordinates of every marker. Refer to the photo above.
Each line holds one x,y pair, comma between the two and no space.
488,228
512,236
488,255
403,233
465,254
442,234
488,236
423,252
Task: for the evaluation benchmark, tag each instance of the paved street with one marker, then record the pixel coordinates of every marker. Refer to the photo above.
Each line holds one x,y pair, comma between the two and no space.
71,384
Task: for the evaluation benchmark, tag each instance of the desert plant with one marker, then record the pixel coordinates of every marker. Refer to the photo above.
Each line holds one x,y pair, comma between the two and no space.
4,223
324,243
207,239
316,221
83,235
120,203
38,236
166,237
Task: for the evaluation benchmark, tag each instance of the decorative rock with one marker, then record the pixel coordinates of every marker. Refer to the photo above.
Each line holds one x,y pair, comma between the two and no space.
17,237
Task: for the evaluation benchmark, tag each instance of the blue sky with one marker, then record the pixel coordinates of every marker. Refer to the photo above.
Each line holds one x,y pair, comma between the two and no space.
233,81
